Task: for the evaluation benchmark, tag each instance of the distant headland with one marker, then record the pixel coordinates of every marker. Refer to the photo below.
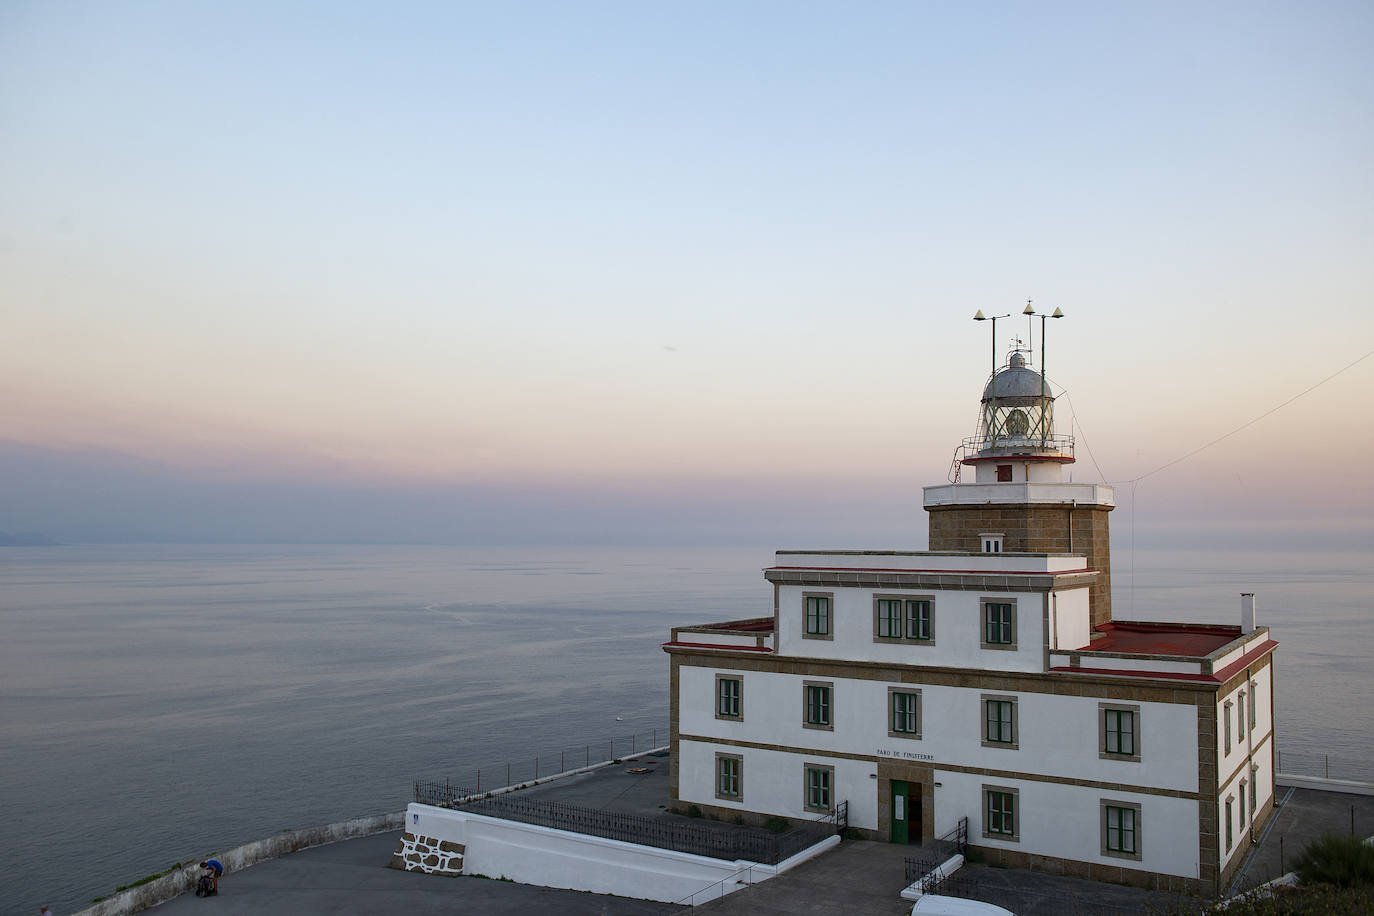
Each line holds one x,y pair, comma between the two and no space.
26,539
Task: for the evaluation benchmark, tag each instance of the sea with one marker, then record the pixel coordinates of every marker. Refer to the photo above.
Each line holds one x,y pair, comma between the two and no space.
159,703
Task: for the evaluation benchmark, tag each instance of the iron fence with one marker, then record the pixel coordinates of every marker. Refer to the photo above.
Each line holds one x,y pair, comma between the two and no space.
838,818
440,794
716,841
520,770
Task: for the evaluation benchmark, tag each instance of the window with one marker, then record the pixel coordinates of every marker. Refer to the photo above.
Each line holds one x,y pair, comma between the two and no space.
1254,790
817,624
1118,731
905,619
1229,838
999,813
889,614
1226,748
1120,829
999,721
920,620
817,696
1240,717
819,783
999,624
1254,701
729,776
1004,473
1242,803
729,697
904,708
992,543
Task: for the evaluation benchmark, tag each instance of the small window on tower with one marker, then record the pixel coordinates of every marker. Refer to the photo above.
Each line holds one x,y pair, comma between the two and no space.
992,543
1004,473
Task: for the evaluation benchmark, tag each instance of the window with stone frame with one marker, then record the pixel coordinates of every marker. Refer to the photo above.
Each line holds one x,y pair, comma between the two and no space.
1230,820
999,623
817,608
904,618
816,701
904,713
820,781
1120,829
1000,817
729,776
729,697
1118,731
999,721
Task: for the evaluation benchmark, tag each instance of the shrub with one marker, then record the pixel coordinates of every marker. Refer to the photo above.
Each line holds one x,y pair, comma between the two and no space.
693,811
1344,861
1314,900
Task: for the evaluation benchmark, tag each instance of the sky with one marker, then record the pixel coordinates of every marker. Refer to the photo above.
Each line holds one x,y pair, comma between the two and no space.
675,273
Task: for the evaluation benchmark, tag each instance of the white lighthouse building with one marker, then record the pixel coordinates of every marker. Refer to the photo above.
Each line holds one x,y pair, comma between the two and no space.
985,679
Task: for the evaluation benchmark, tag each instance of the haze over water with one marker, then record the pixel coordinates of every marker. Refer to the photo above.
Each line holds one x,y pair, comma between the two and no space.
162,702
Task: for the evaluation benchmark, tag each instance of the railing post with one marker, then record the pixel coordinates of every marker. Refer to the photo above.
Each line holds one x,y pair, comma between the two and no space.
479,779
655,737
536,766
507,772
562,762
612,748
632,744
589,755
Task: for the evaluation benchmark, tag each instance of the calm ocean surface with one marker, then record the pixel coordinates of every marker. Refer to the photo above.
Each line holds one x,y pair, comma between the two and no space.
158,703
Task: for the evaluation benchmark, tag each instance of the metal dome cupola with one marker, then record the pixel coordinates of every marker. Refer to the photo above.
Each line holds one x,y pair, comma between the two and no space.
1016,419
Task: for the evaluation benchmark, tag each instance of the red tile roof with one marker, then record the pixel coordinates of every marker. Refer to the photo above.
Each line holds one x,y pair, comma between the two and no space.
1186,639
754,625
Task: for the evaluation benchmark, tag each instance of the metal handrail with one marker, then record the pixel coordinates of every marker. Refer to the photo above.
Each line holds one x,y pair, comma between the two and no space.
693,895
1062,444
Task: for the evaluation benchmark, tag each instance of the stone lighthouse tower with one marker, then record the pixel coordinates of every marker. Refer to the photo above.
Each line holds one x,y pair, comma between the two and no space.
1018,501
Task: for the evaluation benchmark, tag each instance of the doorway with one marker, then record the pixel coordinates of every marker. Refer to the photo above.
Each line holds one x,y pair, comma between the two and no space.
906,811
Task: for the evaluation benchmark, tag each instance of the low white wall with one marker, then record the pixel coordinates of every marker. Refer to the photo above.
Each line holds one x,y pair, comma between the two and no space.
181,880
1348,786
547,857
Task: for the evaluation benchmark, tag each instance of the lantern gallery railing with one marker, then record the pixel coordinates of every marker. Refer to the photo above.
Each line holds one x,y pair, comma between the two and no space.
1015,445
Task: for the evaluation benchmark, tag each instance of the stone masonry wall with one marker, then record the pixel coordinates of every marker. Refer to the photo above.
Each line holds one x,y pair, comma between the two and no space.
1033,529
429,855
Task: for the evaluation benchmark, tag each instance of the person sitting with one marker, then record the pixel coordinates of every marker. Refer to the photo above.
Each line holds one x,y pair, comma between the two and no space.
216,868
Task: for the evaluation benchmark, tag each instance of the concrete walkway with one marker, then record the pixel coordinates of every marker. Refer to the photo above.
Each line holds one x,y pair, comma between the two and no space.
855,877
1306,815
351,879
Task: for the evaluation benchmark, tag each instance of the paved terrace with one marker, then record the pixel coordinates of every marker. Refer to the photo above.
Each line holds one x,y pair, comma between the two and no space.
351,877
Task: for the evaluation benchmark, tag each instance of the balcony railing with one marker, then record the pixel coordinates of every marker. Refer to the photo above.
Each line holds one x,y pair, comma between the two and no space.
1018,445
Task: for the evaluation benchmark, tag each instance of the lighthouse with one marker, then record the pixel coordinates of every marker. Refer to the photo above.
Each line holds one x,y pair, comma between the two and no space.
1018,500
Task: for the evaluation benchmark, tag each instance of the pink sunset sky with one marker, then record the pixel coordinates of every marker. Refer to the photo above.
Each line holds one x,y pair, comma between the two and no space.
441,272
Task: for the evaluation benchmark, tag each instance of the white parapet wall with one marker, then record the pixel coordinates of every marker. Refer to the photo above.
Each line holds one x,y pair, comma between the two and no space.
182,878
544,856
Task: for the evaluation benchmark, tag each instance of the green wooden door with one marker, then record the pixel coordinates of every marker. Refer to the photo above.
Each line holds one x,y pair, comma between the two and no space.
900,812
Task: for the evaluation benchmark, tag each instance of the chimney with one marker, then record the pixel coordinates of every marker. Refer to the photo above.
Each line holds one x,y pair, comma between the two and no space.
1247,613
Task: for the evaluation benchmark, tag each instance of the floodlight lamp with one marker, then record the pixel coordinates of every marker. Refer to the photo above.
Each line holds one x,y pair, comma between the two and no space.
1029,309
1058,313
979,316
